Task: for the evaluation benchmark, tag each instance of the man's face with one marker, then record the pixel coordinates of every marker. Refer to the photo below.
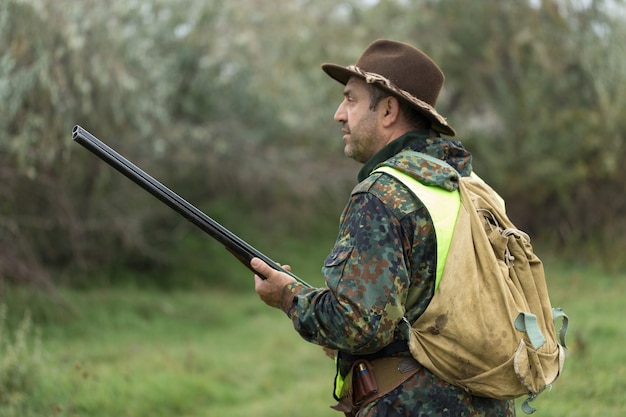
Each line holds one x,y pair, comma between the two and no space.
360,124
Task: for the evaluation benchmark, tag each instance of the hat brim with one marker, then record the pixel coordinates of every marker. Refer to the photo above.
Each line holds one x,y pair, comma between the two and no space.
338,72
342,74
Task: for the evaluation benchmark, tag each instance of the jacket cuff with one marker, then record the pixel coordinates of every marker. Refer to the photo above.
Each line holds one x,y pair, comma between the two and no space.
288,295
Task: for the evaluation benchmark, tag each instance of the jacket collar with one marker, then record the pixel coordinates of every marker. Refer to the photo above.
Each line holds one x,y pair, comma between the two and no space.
415,140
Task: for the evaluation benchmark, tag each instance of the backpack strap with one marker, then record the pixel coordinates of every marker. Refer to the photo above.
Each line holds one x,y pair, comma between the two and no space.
558,313
442,205
527,322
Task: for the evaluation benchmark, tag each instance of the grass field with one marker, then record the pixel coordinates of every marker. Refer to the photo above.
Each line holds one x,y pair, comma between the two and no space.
140,353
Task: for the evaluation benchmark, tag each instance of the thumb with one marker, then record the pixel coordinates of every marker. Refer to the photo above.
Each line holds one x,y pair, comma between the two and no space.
261,267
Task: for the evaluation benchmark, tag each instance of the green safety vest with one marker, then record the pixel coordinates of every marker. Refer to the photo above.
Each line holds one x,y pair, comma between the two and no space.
443,207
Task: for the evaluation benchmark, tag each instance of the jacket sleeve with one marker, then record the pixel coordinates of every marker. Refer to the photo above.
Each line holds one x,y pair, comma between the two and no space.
367,282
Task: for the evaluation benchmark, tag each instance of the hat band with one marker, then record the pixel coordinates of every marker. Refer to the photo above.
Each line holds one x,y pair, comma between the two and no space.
372,77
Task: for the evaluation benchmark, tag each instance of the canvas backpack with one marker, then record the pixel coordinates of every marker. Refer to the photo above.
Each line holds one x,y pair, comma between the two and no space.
489,328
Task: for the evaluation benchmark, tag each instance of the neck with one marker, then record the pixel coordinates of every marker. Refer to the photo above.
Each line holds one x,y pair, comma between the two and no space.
393,147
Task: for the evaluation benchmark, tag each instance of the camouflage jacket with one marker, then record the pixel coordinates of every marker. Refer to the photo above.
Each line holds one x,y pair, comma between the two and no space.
382,269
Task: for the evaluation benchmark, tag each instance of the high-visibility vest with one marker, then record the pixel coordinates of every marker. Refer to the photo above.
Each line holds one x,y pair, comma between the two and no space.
443,207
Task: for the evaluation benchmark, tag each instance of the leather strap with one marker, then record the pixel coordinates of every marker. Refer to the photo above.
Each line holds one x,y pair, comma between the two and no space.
389,372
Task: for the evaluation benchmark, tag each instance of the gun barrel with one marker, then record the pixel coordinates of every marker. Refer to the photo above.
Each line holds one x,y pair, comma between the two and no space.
243,251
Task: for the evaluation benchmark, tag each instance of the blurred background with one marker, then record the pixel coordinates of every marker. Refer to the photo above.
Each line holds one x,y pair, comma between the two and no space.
224,102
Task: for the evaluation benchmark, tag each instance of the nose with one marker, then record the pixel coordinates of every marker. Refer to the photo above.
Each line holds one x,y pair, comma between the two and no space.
340,114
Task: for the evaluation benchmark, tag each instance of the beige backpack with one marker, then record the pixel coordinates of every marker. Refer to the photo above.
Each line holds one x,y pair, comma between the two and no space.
490,326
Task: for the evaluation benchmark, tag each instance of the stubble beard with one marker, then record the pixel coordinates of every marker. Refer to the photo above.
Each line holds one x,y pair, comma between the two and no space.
352,152
361,142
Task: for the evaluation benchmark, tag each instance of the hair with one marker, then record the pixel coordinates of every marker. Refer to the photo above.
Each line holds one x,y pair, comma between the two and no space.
412,117
376,95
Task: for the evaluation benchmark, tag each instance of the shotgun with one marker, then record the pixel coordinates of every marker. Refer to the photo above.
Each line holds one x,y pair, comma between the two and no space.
243,251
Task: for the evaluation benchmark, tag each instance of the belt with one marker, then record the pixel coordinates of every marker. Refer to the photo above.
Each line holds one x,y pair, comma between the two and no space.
391,349
370,380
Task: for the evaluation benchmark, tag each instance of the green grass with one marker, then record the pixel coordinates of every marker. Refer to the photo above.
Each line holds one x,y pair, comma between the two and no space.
137,353
130,352
594,379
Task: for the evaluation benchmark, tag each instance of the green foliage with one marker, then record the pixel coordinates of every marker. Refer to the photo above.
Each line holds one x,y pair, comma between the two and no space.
225,99
547,109
20,365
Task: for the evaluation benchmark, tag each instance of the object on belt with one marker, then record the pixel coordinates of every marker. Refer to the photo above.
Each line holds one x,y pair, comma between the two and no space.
369,380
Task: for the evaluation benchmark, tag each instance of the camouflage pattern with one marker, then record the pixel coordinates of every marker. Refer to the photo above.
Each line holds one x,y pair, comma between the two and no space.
381,270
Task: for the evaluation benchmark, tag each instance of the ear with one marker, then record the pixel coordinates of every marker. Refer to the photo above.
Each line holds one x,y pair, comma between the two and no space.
390,108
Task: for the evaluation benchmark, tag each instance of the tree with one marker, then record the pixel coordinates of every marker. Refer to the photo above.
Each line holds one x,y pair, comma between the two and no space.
227,99
542,89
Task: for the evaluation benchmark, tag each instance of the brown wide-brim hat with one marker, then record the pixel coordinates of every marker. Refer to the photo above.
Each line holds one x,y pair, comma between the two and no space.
402,70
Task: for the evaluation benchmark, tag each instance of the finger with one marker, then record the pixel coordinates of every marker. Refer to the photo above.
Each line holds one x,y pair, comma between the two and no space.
261,267
329,352
258,281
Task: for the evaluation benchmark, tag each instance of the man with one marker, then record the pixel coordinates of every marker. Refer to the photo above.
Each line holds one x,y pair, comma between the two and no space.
380,275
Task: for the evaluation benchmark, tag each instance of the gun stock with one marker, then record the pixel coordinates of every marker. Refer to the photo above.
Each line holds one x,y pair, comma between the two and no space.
243,251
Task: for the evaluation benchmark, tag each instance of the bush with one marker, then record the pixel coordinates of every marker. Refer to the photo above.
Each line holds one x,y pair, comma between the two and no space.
20,363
